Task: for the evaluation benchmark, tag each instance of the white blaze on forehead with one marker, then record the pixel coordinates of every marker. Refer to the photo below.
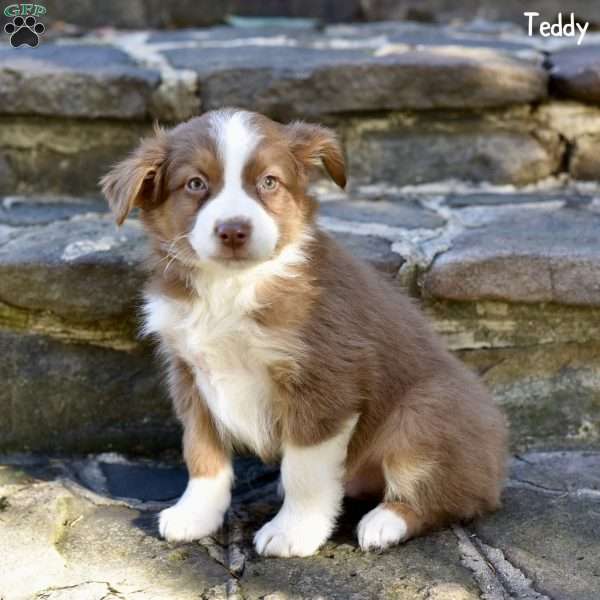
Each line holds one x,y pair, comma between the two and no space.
236,139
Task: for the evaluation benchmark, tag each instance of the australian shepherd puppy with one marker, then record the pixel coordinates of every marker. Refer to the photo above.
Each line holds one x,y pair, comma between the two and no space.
279,342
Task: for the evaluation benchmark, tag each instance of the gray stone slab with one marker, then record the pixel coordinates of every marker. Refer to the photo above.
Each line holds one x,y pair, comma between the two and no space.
349,35
552,540
463,150
406,214
491,10
7,233
143,14
74,80
335,10
523,255
201,13
545,540
550,392
85,541
373,249
73,268
281,71
67,397
412,33
88,14
62,545
495,199
559,471
62,156
25,210
290,81
223,34
575,73
423,569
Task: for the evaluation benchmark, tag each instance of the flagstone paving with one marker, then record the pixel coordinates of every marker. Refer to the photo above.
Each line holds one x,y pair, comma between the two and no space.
85,529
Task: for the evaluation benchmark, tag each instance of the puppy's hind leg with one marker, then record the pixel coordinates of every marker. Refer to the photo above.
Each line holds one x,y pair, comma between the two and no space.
443,454
388,524
405,511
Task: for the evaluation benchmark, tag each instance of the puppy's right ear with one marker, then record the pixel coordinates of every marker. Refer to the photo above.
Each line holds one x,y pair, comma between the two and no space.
137,180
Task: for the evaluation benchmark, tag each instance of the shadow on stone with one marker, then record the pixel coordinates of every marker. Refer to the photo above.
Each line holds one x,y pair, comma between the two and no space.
144,482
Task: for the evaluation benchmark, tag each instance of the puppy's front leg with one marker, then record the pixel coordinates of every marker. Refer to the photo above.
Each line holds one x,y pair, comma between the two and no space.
312,479
200,510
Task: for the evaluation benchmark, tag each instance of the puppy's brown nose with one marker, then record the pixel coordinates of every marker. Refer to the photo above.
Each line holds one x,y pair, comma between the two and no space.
233,233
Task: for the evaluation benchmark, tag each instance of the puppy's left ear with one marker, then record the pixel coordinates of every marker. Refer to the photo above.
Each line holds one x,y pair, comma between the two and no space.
136,181
313,145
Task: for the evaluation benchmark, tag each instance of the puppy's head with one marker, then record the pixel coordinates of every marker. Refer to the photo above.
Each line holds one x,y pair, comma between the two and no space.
228,187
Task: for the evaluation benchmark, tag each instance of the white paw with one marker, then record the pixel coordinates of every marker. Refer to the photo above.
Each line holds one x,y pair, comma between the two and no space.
182,523
381,528
200,511
292,535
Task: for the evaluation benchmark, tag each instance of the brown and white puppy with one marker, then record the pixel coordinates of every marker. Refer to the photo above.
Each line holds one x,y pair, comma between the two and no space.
278,341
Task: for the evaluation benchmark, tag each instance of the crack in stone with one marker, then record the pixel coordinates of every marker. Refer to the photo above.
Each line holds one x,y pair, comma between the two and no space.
233,589
236,558
483,572
586,493
230,590
110,593
229,555
497,578
216,551
527,484
523,460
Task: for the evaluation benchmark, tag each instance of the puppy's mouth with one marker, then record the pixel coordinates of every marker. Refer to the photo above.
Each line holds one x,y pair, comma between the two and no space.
231,256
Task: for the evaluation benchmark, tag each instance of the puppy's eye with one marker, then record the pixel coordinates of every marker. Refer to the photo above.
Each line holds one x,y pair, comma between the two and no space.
196,185
269,183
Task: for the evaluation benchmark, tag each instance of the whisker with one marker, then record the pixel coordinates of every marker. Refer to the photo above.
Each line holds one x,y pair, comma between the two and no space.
165,257
174,256
170,249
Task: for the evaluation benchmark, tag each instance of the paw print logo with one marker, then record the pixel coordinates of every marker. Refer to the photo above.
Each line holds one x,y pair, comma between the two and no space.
24,31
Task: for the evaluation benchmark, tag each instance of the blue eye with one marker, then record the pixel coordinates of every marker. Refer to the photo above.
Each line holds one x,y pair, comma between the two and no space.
269,183
196,184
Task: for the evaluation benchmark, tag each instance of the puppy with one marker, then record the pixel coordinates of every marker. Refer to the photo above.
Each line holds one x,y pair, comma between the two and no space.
279,342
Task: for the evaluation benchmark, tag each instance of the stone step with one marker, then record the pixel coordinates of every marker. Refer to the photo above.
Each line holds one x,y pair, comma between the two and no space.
511,280
86,14
543,543
413,103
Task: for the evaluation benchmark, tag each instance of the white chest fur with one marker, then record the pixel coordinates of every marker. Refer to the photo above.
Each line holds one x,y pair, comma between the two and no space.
230,358
229,352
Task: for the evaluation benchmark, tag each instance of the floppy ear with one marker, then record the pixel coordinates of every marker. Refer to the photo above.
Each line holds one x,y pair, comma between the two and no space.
313,145
136,181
